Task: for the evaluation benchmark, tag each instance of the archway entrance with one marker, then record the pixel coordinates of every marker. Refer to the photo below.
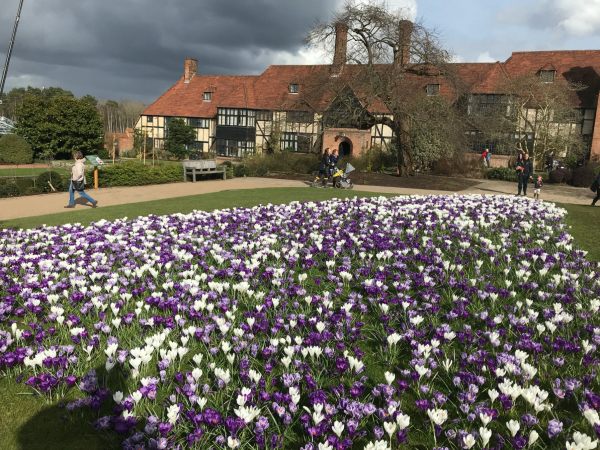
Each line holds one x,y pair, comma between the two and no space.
345,148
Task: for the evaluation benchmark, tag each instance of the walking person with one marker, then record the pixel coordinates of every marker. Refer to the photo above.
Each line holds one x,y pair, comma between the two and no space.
595,187
78,181
333,160
323,168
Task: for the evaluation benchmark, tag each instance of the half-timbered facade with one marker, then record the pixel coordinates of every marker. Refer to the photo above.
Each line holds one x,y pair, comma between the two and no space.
287,108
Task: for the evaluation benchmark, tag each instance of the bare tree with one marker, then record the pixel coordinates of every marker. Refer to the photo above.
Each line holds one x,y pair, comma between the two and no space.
540,115
392,61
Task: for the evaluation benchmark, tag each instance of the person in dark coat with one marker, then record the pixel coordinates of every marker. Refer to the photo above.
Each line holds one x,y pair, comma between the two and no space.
323,168
596,188
333,160
524,172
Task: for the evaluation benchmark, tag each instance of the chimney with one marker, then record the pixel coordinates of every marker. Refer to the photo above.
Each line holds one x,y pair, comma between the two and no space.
402,56
190,68
341,47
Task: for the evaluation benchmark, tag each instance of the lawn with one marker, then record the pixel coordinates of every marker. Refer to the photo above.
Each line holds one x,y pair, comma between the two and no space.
390,277
206,202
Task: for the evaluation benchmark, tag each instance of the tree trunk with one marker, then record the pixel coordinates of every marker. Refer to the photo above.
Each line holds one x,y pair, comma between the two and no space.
404,161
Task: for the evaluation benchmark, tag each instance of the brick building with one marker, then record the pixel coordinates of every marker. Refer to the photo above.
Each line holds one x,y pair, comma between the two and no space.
287,106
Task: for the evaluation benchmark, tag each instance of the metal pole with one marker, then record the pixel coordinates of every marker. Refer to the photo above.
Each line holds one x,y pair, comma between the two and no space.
10,48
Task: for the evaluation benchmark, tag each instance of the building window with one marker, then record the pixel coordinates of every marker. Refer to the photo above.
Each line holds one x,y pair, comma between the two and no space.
149,119
300,116
198,146
264,115
207,96
547,76
488,104
233,148
433,89
293,88
199,123
236,117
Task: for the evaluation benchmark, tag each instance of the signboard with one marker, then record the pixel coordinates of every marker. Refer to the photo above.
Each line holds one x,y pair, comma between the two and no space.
94,160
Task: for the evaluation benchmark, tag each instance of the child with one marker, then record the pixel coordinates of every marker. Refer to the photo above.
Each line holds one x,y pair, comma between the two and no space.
537,187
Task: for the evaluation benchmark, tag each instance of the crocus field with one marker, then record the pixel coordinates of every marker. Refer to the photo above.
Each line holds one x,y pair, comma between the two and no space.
381,323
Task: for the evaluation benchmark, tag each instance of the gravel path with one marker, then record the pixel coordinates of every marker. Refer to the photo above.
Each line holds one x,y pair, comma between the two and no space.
37,205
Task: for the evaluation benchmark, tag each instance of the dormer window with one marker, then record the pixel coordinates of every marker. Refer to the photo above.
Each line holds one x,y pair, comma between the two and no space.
547,76
207,96
432,89
293,88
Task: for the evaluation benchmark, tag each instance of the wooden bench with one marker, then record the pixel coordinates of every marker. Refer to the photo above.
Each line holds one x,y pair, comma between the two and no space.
202,167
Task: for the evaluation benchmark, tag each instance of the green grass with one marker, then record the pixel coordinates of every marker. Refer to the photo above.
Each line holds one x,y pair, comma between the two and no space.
30,422
205,202
583,221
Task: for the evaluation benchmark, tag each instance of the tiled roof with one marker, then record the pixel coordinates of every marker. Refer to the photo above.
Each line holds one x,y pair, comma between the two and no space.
269,90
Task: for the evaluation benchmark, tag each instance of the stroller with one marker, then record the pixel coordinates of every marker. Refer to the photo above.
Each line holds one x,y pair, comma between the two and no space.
340,177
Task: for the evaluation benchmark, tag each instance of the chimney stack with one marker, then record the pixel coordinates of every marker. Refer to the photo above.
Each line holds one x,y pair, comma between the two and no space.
405,29
190,68
341,47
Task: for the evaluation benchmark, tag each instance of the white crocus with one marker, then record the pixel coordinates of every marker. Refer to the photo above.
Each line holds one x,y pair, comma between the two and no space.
338,428
485,435
513,426
403,421
469,441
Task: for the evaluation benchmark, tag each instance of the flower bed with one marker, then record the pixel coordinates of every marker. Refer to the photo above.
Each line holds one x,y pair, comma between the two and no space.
411,322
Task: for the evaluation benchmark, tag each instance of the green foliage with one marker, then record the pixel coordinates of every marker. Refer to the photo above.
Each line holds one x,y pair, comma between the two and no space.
59,125
59,182
137,174
8,188
180,137
374,159
282,162
584,176
501,173
138,142
15,150
240,170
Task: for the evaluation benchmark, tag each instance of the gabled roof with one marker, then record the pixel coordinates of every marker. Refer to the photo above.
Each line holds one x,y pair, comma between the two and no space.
270,90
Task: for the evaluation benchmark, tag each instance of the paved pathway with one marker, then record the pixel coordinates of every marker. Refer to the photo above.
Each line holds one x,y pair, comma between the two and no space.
36,205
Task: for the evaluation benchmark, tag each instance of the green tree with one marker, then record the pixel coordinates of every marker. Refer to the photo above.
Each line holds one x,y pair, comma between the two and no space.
58,125
180,137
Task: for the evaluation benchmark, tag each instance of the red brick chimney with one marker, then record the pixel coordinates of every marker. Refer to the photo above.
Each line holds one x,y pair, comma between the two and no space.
190,68
405,29
341,47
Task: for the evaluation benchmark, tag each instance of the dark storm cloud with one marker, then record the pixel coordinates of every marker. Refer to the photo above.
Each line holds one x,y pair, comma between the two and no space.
135,48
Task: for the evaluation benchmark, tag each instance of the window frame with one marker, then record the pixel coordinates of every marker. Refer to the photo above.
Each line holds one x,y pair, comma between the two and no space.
293,88
207,96
434,91
544,72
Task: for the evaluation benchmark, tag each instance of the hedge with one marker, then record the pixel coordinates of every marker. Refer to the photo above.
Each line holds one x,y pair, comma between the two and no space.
15,150
136,174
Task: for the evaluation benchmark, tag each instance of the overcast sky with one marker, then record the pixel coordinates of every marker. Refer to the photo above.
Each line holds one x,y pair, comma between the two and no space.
135,49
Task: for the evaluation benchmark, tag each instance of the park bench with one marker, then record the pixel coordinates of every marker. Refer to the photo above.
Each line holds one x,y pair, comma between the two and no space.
194,169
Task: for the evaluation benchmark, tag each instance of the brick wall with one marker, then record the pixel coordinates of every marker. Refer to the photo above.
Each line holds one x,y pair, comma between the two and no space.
359,139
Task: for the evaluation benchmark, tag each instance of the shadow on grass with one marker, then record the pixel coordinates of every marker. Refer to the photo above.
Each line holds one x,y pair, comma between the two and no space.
56,428
36,425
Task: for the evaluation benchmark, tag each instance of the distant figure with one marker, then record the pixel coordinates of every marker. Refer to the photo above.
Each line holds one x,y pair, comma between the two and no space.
333,160
537,187
323,168
595,187
78,181
524,170
484,157
488,157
